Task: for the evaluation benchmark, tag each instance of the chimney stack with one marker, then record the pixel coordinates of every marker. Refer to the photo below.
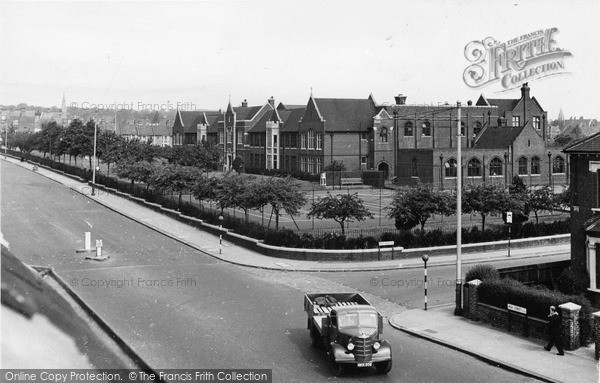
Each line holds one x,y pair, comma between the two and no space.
272,102
400,99
245,103
525,90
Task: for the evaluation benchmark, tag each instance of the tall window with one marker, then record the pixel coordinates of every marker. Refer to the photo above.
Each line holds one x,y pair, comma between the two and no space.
363,161
311,165
522,166
311,139
516,120
536,123
558,165
462,128
319,165
415,168
383,135
319,141
229,135
294,140
427,128
303,141
496,167
240,137
408,129
476,127
535,165
303,164
221,140
474,168
450,168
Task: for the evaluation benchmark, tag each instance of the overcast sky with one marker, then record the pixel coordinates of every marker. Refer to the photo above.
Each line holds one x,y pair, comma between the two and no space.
200,54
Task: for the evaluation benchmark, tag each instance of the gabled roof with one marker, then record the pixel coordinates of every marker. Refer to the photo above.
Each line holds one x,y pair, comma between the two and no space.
188,120
261,124
503,105
282,106
291,119
346,115
246,113
587,145
498,137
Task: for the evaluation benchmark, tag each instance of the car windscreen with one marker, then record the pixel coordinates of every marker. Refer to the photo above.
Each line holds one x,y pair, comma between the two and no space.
357,319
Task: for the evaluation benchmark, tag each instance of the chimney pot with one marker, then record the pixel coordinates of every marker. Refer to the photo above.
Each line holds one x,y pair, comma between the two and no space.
400,99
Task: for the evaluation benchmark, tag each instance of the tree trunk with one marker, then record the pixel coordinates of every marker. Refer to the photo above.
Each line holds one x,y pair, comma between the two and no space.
276,219
108,169
342,226
536,217
482,223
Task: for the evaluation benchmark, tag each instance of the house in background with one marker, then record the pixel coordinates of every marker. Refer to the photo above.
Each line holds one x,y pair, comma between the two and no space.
584,160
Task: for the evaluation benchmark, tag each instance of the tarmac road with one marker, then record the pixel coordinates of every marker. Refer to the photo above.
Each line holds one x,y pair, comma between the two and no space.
179,308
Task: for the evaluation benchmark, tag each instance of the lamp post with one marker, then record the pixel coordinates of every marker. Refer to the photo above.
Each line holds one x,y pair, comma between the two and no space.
94,165
5,135
220,233
505,169
425,258
458,308
441,171
550,170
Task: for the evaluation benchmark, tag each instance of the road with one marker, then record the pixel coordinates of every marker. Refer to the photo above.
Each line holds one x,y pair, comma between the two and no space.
180,308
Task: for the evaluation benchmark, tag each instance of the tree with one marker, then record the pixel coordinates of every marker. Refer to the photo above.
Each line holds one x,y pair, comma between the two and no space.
25,141
489,199
340,208
518,191
175,179
335,167
541,200
415,205
141,171
110,148
282,194
205,189
237,191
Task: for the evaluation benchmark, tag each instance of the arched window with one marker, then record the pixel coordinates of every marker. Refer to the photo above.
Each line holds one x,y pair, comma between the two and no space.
535,165
522,166
383,134
415,168
408,129
474,168
558,165
476,127
462,128
427,128
450,168
496,167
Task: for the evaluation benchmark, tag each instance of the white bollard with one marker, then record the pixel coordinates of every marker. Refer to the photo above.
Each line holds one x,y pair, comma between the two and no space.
98,248
88,241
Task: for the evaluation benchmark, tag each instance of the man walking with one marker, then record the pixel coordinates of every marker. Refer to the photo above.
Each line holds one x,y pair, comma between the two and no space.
554,329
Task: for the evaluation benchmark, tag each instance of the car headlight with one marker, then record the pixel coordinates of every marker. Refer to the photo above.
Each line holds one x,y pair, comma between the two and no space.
376,345
350,346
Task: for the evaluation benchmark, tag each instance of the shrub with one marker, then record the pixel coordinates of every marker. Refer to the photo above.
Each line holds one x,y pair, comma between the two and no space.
573,282
482,272
500,292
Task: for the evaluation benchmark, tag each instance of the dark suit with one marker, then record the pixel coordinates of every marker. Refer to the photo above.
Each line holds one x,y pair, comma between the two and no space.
554,330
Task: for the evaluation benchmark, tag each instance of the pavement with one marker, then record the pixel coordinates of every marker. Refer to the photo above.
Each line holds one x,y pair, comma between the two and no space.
439,325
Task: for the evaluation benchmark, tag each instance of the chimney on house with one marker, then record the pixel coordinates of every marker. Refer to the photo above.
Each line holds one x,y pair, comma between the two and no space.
400,99
245,103
272,102
525,90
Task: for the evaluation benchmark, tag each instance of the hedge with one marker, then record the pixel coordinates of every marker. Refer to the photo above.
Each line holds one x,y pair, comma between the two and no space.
289,238
500,292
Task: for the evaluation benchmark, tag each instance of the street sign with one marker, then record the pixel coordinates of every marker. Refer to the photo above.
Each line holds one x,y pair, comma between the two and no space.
386,243
509,217
518,309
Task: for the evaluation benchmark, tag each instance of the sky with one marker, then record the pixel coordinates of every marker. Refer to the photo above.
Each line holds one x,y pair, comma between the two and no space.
200,55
